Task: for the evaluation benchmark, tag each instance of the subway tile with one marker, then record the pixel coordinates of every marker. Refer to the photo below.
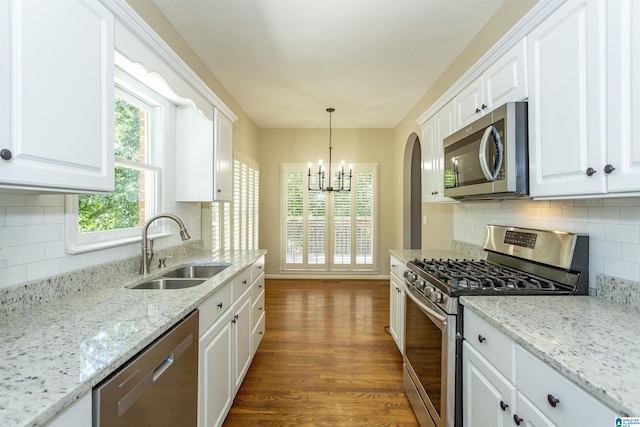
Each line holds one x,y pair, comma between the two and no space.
3,216
14,275
54,249
45,200
25,254
16,236
31,215
12,199
604,214
43,269
622,233
73,262
630,215
571,213
44,233
605,249
588,202
629,252
622,201
622,269
54,215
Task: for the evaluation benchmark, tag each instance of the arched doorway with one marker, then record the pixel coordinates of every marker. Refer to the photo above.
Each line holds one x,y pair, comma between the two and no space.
412,194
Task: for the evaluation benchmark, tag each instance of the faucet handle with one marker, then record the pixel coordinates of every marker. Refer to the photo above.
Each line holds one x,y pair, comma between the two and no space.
163,261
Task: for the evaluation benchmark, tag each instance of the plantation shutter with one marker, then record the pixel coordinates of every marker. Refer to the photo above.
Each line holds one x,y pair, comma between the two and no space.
365,218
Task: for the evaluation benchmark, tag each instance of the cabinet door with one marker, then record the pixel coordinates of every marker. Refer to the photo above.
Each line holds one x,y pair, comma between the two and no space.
223,179
505,81
242,338
623,89
488,398
469,104
529,415
77,415
395,295
445,126
57,95
566,102
216,387
429,173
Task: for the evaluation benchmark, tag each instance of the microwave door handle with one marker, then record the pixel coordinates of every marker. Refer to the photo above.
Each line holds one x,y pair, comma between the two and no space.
489,174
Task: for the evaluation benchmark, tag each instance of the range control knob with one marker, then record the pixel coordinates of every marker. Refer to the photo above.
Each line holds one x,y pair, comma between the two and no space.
410,276
429,290
420,284
436,297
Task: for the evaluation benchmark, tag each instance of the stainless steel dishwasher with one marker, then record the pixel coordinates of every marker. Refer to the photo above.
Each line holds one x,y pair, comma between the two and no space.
158,387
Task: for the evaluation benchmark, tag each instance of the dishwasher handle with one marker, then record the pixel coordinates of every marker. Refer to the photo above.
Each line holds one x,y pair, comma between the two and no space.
138,390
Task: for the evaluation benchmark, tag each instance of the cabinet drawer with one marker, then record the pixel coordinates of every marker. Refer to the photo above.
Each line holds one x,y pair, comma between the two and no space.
258,308
540,383
257,288
211,309
397,267
495,346
241,283
258,332
257,268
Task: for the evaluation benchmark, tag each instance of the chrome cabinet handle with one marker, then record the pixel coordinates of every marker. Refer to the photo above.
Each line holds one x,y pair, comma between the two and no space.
609,168
590,171
6,154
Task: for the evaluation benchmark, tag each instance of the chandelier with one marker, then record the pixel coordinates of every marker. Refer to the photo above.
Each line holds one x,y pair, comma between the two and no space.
341,180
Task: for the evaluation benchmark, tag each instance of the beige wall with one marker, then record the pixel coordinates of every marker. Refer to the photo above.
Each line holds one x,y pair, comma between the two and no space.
439,231
271,147
309,145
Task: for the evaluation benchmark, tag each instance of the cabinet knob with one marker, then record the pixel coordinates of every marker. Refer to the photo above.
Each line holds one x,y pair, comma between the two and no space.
552,400
6,154
260,308
484,106
219,190
590,171
609,168
503,406
481,338
477,110
244,282
517,419
219,305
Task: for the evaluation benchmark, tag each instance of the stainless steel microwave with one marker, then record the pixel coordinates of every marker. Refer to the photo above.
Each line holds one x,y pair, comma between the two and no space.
488,159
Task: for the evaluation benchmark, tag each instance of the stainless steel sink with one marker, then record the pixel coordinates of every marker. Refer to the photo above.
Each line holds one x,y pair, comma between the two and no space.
169,284
196,271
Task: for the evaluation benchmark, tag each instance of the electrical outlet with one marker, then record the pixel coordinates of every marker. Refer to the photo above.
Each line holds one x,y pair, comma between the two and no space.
3,244
424,220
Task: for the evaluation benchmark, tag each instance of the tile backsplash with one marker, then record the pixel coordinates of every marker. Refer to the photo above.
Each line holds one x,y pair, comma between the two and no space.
32,238
613,225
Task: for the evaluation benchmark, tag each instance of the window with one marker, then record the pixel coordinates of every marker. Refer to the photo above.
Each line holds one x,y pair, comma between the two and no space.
234,224
96,221
329,231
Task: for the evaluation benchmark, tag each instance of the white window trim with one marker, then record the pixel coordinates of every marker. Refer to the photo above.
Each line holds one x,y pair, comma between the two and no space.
130,88
328,267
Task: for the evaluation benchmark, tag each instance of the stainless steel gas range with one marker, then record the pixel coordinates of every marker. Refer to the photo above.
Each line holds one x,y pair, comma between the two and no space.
519,262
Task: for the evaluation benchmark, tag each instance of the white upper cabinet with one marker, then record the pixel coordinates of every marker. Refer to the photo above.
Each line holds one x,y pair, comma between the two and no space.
56,93
434,131
584,138
566,101
623,90
504,80
204,156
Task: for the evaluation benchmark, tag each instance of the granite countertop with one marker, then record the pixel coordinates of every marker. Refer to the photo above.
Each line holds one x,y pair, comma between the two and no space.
593,342
56,353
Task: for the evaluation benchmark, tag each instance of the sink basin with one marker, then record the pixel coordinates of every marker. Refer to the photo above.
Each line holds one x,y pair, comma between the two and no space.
169,284
196,271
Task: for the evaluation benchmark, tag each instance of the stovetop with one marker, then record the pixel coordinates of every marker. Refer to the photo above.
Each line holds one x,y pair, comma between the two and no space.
519,262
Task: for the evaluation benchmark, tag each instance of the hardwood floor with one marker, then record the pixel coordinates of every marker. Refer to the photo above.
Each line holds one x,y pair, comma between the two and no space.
325,359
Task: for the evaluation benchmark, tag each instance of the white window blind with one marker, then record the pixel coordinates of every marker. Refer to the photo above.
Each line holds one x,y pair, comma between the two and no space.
235,224
329,231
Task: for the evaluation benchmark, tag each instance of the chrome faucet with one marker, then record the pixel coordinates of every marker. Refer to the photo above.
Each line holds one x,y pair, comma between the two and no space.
147,244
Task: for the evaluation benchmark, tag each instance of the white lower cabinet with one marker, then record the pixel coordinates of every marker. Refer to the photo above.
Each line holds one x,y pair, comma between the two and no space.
216,385
77,415
487,395
519,389
231,327
396,302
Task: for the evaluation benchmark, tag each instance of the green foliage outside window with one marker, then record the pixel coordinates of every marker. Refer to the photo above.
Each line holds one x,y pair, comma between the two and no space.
120,209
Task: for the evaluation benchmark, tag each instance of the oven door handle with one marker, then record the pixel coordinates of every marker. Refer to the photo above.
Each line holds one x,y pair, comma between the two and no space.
430,311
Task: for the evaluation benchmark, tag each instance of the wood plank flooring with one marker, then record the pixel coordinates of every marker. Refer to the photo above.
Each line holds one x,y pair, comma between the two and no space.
325,359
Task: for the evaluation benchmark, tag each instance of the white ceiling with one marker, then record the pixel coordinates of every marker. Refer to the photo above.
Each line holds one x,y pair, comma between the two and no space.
286,61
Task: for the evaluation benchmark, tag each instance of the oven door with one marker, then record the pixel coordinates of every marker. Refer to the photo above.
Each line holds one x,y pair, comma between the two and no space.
429,359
